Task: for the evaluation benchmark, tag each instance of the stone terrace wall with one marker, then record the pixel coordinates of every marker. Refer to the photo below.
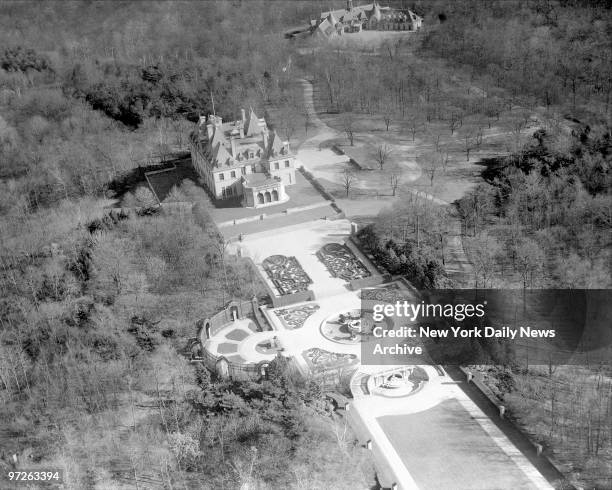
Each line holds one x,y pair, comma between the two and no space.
377,277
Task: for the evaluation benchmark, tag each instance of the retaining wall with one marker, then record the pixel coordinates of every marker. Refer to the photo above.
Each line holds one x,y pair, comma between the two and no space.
495,402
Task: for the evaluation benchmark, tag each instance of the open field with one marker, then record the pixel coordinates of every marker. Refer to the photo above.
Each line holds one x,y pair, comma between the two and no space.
472,459
412,157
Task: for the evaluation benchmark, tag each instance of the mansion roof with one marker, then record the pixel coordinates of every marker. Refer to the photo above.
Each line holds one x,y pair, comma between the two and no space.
237,143
361,13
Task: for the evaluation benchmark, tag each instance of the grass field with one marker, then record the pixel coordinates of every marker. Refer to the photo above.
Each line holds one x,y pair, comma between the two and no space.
465,455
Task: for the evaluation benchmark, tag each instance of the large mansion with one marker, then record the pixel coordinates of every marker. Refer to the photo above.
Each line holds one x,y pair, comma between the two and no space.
242,159
364,17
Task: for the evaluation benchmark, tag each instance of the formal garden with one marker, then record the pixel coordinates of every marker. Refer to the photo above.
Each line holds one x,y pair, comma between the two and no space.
294,317
319,360
341,262
286,274
344,328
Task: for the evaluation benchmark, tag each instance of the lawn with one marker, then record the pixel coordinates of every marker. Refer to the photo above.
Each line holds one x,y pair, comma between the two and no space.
452,452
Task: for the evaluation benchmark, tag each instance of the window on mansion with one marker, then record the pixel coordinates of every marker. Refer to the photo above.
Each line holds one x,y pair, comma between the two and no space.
221,176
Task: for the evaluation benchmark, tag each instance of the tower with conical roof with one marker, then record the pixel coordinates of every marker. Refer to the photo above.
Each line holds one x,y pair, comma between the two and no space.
331,19
252,125
376,12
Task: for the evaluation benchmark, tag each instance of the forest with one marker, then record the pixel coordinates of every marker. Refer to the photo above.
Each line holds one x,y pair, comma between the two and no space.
96,308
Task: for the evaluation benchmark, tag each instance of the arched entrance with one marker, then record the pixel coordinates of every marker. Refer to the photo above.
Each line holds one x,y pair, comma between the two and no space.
260,198
275,195
267,197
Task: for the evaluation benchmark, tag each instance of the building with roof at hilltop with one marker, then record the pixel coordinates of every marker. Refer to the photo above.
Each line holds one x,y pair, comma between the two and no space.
364,17
242,160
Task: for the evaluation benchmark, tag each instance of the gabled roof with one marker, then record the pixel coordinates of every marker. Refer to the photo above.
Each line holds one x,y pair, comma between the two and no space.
276,145
218,138
252,125
375,12
349,16
220,156
325,28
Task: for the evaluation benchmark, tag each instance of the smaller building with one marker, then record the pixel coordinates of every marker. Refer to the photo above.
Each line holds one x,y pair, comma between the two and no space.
242,160
364,17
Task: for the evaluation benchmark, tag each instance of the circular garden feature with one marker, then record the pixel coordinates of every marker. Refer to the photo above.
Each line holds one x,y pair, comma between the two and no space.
346,327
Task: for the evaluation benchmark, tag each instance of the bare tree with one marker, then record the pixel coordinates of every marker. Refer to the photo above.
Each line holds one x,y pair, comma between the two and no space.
479,137
485,259
307,118
529,260
414,125
394,178
517,135
387,110
430,163
348,179
454,121
431,169
162,144
468,144
443,157
286,119
179,133
382,154
348,123
220,245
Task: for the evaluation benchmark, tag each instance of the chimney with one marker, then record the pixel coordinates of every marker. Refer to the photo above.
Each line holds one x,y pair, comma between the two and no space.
265,138
243,114
209,130
233,145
